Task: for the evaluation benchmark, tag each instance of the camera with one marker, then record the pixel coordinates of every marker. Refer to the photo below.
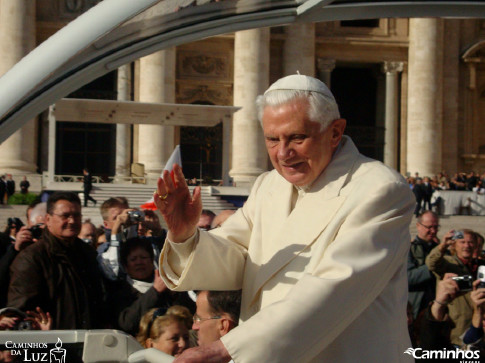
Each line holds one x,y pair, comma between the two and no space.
36,231
24,325
15,222
464,282
136,216
481,276
458,235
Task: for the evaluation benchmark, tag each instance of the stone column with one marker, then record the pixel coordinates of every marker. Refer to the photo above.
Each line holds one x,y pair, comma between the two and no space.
299,49
325,69
251,78
391,69
157,84
425,96
17,29
123,131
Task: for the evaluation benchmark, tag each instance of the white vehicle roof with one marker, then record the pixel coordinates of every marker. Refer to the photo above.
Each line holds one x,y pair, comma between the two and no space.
116,32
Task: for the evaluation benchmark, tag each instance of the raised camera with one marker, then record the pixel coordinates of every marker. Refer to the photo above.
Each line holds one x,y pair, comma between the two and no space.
458,235
36,231
136,216
464,282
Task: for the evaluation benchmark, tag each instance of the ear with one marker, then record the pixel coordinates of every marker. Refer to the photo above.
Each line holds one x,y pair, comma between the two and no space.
337,131
225,327
149,343
47,219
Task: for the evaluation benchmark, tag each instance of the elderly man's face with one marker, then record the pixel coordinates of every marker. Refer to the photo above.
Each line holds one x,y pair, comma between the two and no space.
465,247
428,227
298,150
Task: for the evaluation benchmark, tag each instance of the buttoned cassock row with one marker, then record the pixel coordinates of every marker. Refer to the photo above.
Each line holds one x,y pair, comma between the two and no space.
324,282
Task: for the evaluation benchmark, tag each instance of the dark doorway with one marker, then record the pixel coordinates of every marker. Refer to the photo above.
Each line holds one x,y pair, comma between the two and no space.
201,149
90,145
87,145
356,91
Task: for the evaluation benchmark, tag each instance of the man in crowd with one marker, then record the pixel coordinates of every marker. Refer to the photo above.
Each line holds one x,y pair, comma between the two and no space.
10,186
110,209
24,185
26,235
418,192
319,248
205,220
461,264
420,279
87,187
3,188
217,314
59,273
221,218
427,193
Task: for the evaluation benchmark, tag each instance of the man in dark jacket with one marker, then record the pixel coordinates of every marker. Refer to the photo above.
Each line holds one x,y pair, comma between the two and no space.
421,281
59,273
87,187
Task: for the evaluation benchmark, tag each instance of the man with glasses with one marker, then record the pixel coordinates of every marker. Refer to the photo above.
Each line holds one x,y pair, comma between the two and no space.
421,281
461,263
59,273
217,314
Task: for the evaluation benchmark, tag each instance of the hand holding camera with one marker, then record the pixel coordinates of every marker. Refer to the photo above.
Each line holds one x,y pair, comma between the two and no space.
128,217
23,236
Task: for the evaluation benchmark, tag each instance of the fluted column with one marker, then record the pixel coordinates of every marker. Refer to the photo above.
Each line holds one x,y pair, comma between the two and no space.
325,69
157,84
17,29
299,49
392,70
123,131
251,78
425,96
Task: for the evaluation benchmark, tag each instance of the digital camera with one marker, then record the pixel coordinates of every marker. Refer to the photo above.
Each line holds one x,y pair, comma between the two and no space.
136,216
36,231
464,282
458,235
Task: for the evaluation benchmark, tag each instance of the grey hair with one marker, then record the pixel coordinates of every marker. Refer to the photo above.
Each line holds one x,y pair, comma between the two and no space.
322,109
39,210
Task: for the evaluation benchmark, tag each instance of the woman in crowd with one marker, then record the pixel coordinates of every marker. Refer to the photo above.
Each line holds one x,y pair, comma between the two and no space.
165,330
142,289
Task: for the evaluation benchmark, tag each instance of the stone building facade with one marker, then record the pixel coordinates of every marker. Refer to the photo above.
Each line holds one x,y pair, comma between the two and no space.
412,90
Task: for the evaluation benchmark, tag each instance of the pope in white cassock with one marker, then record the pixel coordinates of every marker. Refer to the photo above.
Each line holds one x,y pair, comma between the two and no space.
319,248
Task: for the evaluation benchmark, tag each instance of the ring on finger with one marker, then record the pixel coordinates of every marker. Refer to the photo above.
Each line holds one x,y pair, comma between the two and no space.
162,197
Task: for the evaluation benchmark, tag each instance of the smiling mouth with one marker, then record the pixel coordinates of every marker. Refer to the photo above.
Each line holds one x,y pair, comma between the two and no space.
292,166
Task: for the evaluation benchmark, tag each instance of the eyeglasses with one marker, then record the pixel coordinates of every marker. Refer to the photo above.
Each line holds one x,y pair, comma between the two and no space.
197,319
434,226
65,216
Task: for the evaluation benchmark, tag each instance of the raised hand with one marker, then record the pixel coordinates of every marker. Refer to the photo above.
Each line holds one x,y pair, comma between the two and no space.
180,210
42,320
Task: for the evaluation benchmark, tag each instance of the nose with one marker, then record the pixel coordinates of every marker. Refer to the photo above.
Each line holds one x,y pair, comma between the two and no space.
285,151
182,343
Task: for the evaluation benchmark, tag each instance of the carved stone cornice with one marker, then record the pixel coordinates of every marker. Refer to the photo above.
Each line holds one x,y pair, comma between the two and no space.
199,65
217,94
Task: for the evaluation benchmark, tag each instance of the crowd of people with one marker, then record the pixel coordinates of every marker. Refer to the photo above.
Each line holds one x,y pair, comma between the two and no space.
58,271
446,299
